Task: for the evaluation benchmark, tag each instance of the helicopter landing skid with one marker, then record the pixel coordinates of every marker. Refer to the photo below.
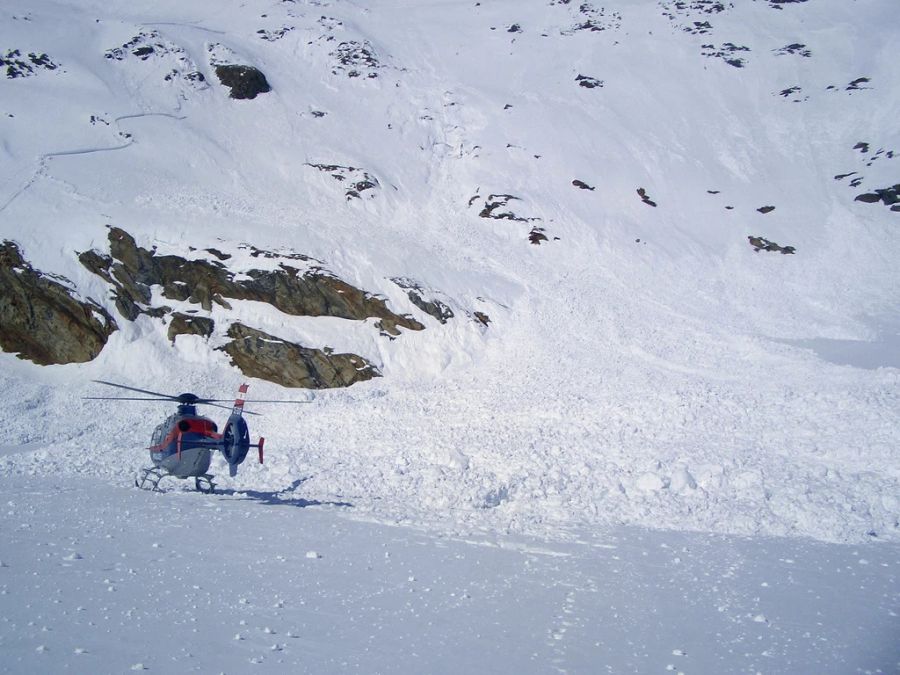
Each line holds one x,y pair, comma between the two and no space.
149,479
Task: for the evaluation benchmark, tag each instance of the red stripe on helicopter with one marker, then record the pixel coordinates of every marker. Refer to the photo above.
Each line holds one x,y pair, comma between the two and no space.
196,426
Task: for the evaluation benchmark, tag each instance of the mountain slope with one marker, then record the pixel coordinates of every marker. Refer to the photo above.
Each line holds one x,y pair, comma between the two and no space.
642,364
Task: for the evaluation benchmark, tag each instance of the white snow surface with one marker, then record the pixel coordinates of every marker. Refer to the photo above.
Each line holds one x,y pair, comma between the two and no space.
645,373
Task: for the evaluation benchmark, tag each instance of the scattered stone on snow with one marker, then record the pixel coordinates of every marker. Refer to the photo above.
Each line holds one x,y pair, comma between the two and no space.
589,82
793,93
431,306
642,193
855,85
18,65
536,236
795,48
726,52
357,180
151,46
356,59
582,185
274,35
587,17
482,318
258,354
765,209
499,201
41,318
761,244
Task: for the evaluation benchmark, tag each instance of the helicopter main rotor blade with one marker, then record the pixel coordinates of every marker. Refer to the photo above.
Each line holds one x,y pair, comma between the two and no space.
141,391
120,398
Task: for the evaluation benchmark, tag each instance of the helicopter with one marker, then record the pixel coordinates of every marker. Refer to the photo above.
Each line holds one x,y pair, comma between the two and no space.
182,445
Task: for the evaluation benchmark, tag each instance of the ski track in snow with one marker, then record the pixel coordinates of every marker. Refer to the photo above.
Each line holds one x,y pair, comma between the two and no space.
43,160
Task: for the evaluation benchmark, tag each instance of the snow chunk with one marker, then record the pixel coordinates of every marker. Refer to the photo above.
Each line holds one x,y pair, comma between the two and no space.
650,482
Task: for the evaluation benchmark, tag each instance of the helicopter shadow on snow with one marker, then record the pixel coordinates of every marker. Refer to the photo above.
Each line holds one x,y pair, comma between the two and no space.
281,497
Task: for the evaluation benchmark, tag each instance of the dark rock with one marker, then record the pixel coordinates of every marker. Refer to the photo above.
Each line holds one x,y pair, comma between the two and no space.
274,35
356,59
356,180
761,244
515,28
842,176
890,196
40,318
766,209
245,82
536,236
216,252
494,202
258,354
581,184
416,295
588,82
482,318
726,52
789,91
642,193
18,65
795,48
185,324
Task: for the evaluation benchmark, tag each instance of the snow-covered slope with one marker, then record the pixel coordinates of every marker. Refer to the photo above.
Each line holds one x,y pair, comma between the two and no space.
642,364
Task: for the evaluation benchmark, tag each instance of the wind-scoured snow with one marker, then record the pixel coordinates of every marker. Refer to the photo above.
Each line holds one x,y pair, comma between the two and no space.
643,365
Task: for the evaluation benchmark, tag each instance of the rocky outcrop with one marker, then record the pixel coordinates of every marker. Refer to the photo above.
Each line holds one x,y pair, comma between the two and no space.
40,317
245,82
132,270
185,324
258,354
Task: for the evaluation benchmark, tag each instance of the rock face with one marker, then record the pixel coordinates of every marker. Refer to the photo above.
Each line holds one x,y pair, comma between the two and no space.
132,270
267,357
185,324
41,320
244,81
